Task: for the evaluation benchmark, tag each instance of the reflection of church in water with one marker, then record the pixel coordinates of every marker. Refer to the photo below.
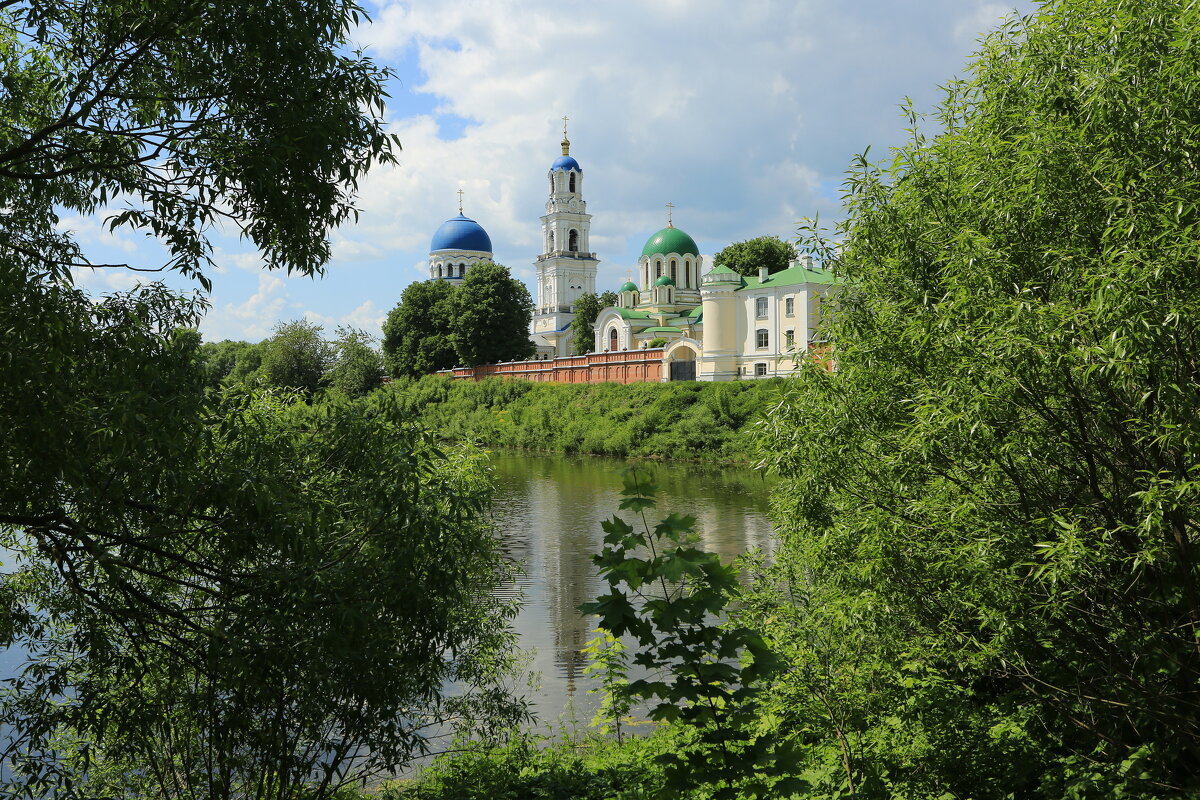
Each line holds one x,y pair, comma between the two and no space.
722,325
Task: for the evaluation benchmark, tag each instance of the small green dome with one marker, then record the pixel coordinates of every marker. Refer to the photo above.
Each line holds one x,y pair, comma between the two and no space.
665,280
629,286
670,240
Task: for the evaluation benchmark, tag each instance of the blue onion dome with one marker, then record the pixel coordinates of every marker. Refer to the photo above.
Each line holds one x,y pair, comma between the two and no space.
565,163
629,286
461,233
664,280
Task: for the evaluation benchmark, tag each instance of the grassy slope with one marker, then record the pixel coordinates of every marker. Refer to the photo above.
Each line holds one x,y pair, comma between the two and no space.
686,420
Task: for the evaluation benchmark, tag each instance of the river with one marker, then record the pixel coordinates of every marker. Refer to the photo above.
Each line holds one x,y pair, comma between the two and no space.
548,509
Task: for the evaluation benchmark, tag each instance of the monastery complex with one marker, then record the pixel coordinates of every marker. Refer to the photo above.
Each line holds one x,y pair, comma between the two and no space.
679,321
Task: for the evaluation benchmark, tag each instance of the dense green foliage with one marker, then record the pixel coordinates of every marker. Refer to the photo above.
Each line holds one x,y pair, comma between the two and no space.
296,356
437,325
187,113
666,594
745,258
492,313
989,580
357,367
685,420
596,768
418,333
221,593
587,307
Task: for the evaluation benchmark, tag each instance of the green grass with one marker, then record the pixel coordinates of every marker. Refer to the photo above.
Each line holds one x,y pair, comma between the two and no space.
678,421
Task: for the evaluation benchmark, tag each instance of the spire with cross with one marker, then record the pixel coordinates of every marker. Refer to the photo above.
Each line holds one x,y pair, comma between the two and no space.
566,143
670,214
460,194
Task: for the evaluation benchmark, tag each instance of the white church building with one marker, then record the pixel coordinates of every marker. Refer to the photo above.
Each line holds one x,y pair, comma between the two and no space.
705,324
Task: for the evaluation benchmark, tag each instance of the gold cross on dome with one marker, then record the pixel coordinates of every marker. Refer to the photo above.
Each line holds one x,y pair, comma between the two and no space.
460,193
670,212
565,125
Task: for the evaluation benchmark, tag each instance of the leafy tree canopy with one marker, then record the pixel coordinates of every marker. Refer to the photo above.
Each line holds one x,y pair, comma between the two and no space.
357,364
587,308
221,595
745,258
417,335
185,113
991,502
492,313
296,356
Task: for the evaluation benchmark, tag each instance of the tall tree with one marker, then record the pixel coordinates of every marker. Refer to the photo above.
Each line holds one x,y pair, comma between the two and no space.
296,356
492,313
587,308
991,501
417,335
190,570
357,365
745,258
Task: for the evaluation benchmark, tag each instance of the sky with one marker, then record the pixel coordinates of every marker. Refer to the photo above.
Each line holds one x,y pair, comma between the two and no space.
742,113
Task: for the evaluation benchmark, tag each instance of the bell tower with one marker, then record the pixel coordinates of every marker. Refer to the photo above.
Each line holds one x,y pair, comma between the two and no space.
566,268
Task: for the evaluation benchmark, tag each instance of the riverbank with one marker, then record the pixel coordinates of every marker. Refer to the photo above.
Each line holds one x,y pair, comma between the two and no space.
690,421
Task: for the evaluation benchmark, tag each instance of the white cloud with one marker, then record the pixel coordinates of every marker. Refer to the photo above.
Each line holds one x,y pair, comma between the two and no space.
736,112
743,114
252,319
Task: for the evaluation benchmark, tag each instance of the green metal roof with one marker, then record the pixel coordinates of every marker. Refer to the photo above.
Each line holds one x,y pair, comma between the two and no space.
633,313
628,286
681,321
670,240
792,276
663,329
664,280
697,312
724,275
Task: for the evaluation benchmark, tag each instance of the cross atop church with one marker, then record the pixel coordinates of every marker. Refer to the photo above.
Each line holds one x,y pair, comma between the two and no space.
565,126
670,213
460,194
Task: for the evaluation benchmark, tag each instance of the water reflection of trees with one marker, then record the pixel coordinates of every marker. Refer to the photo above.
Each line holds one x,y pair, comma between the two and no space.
549,509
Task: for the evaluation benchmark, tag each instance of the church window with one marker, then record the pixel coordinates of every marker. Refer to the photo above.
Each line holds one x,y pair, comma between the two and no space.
612,338
789,338
551,246
761,339
789,306
687,274
760,307
572,184
657,269
462,270
573,240
760,370
674,271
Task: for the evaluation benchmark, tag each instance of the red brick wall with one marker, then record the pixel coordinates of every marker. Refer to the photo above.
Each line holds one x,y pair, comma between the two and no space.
630,366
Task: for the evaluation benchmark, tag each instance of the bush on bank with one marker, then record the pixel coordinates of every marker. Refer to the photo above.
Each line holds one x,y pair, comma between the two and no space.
680,421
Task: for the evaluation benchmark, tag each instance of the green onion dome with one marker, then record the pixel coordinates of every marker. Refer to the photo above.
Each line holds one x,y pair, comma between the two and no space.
665,280
670,240
628,286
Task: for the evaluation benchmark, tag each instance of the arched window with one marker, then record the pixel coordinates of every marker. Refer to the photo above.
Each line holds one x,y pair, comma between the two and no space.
612,338
573,240
687,274
462,270
760,338
657,269
674,271
571,185
550,246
